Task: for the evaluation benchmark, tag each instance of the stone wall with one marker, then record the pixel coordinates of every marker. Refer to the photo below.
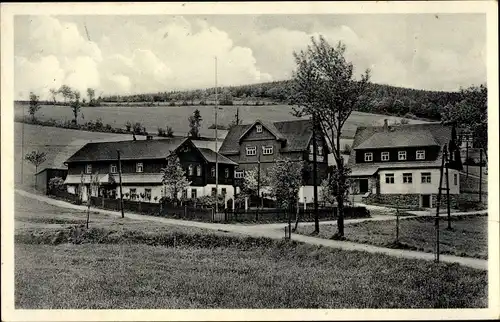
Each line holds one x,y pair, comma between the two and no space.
401,200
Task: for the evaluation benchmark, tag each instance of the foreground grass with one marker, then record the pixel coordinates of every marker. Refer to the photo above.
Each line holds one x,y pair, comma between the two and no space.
126,264
468,236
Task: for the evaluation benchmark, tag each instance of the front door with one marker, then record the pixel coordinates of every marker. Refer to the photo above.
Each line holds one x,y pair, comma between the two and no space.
426,201
363,185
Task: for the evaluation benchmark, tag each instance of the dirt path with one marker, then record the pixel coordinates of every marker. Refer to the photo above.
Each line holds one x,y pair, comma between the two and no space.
271,232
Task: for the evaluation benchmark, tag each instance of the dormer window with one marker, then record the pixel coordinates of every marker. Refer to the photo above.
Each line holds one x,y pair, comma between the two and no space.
420,155
384,156
190,170
139,167
198,171
113,169
401,155
368,157
88,168
258,127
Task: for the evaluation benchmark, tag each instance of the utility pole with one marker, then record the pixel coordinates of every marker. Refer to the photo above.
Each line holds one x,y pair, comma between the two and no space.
438,201
120,178
258,177
315,170
216,150
22,147
237,115
447,157
480,174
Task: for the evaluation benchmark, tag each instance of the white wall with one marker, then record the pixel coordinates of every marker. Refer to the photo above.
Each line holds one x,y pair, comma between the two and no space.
416,186
308,193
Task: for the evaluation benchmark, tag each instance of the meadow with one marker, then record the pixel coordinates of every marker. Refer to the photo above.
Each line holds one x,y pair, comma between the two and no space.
177,116
130,264
468,236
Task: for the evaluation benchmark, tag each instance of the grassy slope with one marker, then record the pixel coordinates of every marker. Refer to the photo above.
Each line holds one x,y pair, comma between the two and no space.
468,236
199,272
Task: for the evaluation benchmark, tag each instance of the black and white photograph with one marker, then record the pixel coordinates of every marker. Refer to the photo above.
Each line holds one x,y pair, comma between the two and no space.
207,156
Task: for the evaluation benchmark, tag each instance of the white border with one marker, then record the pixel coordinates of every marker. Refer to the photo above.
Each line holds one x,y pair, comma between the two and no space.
9,10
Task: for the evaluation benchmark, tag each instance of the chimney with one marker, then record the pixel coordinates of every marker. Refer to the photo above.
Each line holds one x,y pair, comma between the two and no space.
386,125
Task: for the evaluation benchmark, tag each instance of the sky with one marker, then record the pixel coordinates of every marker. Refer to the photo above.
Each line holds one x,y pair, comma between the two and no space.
150,53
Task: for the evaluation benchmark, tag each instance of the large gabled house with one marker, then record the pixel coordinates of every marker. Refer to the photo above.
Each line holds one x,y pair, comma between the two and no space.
400,165
141,164
265,142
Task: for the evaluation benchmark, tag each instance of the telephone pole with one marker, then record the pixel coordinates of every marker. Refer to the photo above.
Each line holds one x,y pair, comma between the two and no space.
315,170
480,174
120,178
216,151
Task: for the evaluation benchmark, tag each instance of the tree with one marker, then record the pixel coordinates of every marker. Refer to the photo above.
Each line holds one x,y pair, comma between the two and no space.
93,187
76,105
34,104
324,88
326,194
56,184
91,95
285,179
66,92
194,124
173,177
53,92
251,182
470,113
36,158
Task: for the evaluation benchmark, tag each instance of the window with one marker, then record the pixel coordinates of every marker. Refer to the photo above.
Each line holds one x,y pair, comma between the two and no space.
259,128
368,157
385,156
147,194
184,194
420,155
320,150
226,173
214,191
455,179
426,177
198,171
239,174
88,168
212,172
402,155
266,150
193,193
407,178
138,167
223,191
311,149
112,168
251,150
389,178
133,193
190,170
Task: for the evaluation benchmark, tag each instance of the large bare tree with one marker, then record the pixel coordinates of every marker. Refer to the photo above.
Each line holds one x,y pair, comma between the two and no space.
326,89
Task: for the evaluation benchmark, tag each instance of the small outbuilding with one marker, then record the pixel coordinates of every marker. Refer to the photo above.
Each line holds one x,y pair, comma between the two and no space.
43,177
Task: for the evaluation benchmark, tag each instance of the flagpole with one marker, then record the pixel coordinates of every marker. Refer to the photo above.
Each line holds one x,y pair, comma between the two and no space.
216,141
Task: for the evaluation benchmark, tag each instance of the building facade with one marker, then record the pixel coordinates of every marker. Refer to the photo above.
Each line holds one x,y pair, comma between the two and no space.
262,143
141,164
400,165
43,178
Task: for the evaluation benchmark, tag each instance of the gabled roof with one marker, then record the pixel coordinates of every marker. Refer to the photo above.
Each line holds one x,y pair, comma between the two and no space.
268,126
129,150
387,139
210,155
425,134
297,133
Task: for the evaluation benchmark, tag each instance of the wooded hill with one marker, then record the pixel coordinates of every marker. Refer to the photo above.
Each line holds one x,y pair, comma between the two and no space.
380,99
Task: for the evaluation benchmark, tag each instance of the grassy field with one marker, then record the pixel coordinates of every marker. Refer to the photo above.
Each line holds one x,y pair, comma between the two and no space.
177,117
468,236
122,263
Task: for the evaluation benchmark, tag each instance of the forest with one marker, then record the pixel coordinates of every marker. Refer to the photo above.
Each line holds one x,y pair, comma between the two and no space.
380,99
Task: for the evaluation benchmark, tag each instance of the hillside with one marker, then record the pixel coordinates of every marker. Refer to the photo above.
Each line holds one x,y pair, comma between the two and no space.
380,99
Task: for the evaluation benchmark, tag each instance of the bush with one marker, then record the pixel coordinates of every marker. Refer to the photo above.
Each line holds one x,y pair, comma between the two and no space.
169,133
161,132
356,212
171,104
128,126
56,185
468,205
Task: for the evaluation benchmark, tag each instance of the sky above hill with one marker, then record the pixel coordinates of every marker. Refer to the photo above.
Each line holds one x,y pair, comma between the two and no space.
148,53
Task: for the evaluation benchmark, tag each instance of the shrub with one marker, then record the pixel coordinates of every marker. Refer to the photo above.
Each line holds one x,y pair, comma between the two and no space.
98,124
356,212
468,205
128,126
171,104
169,133
56,184
161,132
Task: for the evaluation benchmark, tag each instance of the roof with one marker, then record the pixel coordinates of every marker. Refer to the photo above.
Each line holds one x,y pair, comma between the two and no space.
52,168
297,135
399,139
268,125
210,156
424,134
129,150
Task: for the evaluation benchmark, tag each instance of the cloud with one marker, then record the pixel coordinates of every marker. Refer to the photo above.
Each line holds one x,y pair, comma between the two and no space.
178,55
